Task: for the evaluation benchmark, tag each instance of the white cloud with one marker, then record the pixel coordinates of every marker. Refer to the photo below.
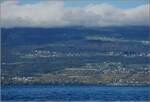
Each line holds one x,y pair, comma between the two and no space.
54,14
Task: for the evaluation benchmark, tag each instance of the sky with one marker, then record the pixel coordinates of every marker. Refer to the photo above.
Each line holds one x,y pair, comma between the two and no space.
60,13
81,3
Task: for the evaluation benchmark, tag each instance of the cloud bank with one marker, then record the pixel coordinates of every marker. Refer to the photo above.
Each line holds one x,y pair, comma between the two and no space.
55,14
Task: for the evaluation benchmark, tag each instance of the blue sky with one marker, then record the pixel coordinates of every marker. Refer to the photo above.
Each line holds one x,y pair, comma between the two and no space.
82,3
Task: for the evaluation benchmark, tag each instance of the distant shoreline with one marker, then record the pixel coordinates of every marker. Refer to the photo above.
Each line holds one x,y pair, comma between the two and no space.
106,85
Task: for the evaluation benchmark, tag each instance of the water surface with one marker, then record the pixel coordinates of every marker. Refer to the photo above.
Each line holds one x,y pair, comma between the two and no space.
75,93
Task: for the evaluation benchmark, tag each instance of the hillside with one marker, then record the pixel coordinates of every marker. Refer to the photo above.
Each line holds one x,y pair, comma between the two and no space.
76,55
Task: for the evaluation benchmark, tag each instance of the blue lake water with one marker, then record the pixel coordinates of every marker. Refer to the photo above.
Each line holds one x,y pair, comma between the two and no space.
74,93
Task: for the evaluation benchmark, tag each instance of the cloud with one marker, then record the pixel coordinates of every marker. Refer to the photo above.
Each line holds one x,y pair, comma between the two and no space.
54,14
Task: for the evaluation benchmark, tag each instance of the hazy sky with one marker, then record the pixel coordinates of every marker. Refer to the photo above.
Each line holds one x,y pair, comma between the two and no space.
58,13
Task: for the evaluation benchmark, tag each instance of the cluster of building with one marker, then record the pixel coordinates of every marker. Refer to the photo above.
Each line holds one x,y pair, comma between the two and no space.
47,53
103,73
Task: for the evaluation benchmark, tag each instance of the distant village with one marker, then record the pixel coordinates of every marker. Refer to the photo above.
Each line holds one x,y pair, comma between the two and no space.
46,53
90,73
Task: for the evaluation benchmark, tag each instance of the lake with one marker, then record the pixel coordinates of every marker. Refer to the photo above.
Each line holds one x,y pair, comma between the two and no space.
74,93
